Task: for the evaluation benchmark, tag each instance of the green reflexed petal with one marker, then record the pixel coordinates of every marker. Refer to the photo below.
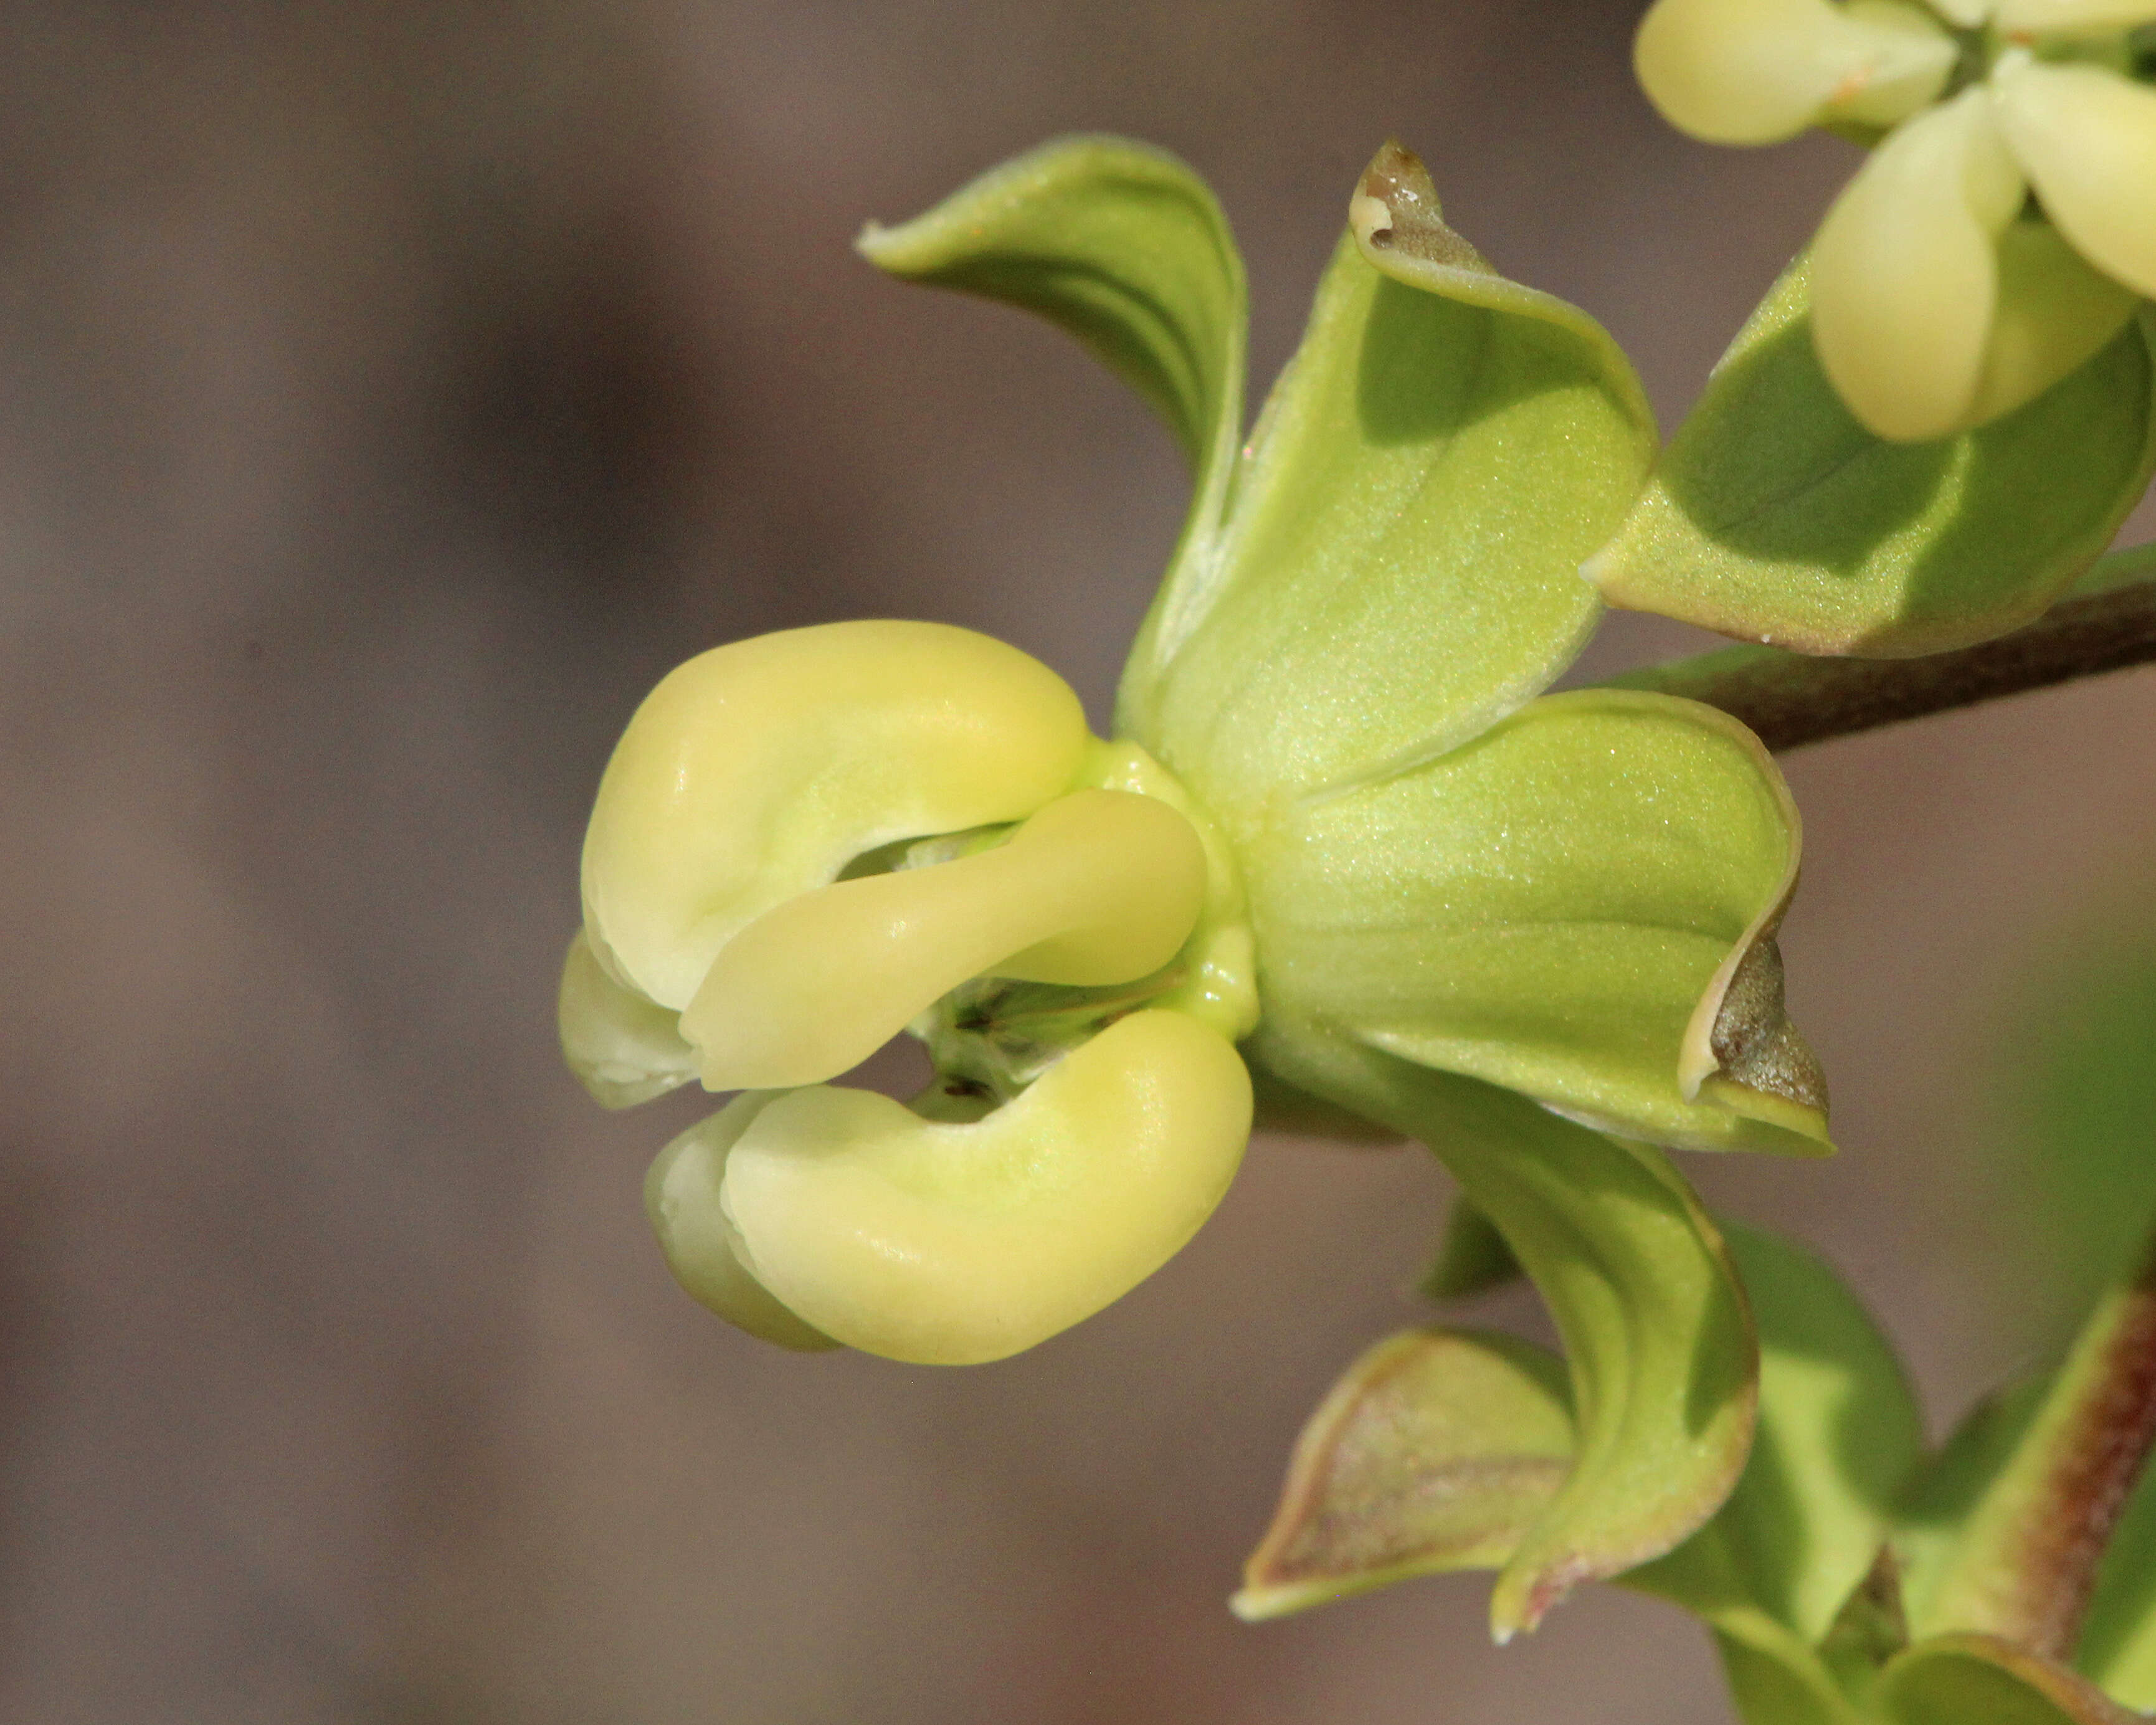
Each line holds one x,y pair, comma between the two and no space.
1437,1452
1399,566
622,1048
1757,71
1978,1680
755,771
1099,887
1839,1436
2118,1648
2037,17
2086,138
1904,281
1123,246
2055,314
1775,516
681,1197
952,1243
1562,907
1658,1344
1472,1258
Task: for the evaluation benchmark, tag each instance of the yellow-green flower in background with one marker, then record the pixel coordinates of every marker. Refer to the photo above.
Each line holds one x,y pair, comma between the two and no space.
2004,229
1342,843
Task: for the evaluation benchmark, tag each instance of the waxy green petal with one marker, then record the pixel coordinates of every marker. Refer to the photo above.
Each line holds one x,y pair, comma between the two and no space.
1123,246
1559,908
1398,571
951,1244
623,1048
1904,278
2086,138
1774,515
681,1197
1436,1451
1658,1343
1099,887
1840,1434
1757,71
755,771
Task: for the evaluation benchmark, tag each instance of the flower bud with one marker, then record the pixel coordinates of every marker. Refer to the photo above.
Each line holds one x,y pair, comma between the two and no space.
1757,71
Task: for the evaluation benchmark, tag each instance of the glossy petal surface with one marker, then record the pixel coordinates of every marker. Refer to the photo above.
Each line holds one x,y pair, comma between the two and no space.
1904,278
2086,137
755,771
952,1243
1546,908
1099,887
1398,570
622,1048
1775,516
681,1197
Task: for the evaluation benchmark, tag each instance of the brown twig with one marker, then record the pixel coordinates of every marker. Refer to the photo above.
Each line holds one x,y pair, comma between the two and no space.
2106,623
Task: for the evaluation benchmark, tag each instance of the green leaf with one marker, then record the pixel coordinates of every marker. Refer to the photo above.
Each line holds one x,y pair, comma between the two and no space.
1566,905
1436,1451
1775,516
1399,568
1123,246
1979,1679
1658,1343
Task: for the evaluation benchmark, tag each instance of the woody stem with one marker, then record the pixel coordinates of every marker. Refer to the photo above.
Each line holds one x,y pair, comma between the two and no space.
2107,622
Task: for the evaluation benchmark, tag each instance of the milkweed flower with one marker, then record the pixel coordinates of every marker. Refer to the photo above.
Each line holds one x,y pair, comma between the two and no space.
1342,853
2004,228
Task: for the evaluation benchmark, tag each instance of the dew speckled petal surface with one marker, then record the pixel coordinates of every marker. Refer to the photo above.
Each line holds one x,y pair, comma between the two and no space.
1757,71
1904,278
952,1245
755,771
2086,138
1546,908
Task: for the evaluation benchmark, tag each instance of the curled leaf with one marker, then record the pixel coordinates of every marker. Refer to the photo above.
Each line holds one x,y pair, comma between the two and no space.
1436,1451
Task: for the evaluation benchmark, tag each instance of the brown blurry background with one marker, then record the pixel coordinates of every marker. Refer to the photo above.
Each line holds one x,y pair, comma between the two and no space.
389,394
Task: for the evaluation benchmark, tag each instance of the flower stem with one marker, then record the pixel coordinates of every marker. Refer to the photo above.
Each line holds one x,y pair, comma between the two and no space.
2106,622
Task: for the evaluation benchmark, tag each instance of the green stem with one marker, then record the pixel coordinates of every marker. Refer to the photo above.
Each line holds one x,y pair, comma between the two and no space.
2106,622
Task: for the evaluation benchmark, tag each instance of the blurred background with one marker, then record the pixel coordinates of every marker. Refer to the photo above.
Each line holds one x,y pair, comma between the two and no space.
389,393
